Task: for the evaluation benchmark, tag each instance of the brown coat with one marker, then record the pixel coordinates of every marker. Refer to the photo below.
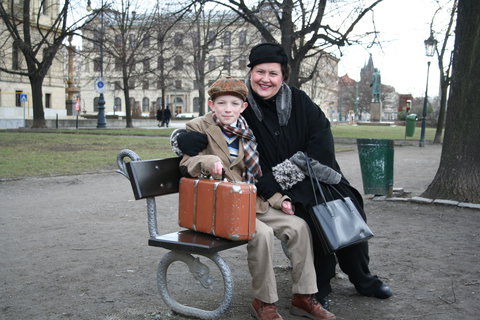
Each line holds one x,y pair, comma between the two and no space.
217,150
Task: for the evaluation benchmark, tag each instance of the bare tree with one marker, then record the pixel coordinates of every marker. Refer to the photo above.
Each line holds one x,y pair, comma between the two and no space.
300,26
458,175
166,50
444,65
124,38
37,40
211,32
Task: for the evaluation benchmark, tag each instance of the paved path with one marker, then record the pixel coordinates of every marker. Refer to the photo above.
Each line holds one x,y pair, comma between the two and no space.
75,247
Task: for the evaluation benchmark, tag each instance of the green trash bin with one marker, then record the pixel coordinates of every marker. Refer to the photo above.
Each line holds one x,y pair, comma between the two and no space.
410,124
376,163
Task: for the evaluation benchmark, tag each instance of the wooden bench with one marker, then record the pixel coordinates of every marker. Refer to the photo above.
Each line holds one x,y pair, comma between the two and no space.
153,178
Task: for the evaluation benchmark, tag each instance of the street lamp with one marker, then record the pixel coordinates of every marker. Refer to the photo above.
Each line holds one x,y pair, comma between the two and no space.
100,83
430,45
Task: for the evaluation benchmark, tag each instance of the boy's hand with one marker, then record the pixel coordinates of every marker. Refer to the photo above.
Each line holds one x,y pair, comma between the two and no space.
287,207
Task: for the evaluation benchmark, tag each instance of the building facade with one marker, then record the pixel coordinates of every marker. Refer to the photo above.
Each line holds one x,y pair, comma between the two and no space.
225,53
13,111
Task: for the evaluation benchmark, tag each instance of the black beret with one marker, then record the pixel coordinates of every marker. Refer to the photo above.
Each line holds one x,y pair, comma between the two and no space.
267,52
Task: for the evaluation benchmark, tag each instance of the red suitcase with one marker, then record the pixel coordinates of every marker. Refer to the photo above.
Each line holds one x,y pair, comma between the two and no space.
223,209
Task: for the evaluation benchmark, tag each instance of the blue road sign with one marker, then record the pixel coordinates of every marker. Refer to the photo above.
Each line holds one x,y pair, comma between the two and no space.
23,97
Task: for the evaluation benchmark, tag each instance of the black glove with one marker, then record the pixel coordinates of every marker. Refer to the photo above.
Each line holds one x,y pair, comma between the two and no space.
191,142
267,186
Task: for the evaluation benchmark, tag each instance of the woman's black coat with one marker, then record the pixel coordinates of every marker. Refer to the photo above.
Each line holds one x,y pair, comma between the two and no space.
307,130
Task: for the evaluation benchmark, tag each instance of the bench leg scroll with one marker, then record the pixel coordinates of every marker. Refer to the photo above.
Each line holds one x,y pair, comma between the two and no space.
201,273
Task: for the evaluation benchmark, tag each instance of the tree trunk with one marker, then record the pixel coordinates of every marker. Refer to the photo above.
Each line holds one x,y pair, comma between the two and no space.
441,115
458,176
36,84
128,106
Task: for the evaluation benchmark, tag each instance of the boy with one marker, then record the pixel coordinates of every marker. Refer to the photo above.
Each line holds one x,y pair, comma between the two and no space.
232,149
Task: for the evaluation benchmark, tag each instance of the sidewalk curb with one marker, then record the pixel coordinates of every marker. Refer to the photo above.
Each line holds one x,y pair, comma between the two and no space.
421,200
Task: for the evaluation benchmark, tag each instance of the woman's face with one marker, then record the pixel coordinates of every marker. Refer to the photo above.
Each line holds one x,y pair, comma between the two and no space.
266,79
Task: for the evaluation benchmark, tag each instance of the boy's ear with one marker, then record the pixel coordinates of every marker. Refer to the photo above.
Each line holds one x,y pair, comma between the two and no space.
210,104
244,106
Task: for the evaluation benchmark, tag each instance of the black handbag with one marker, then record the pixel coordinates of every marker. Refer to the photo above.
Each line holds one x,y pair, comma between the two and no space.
338,222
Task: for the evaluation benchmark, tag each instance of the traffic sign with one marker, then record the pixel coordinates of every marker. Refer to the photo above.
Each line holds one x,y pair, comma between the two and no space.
23,97
100,85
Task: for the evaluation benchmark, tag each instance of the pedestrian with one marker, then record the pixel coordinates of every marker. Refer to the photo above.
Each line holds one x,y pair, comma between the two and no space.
284,121
167,114
231,149
159,116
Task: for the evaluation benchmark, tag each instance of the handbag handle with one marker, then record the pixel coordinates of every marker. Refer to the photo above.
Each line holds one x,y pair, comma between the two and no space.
312,175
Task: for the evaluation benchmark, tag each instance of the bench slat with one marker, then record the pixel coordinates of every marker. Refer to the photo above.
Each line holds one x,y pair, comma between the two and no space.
194,242
151,178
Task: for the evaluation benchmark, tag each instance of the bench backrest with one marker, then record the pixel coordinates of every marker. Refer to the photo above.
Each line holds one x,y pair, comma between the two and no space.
151,178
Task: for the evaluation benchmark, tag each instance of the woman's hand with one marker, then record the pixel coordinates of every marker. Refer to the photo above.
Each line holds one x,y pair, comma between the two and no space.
287,207
217,169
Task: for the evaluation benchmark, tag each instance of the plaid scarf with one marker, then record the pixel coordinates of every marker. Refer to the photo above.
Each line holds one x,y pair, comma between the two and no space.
251,159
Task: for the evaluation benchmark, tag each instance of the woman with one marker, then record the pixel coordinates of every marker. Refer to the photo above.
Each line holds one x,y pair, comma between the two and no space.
285,120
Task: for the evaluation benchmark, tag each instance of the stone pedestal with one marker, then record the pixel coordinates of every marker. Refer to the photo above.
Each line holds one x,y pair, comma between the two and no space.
376,111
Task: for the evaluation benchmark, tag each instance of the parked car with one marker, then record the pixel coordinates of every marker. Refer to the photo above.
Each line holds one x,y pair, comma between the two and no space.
185,116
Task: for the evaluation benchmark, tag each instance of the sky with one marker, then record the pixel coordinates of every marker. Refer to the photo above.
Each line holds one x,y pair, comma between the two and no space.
404,26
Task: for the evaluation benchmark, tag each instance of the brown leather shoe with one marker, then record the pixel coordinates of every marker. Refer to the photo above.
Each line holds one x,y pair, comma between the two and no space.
264,311
306,305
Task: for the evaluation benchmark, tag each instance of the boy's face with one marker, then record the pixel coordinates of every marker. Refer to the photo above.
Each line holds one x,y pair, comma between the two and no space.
227,108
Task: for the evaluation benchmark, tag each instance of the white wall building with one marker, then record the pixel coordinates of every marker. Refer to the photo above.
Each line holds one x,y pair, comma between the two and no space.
12,86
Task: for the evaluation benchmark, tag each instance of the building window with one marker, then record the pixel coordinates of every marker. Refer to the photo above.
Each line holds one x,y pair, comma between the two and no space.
95,104
145,85
227,39
18,103
146,42
117,85
48,100
44,5
195,85
118,41
196,40
178,63
242,38
131,84
242,64
15,57
145,105
146,65
118,104
211,63
132,40
178,39
159,84
97,64
211,38
178,84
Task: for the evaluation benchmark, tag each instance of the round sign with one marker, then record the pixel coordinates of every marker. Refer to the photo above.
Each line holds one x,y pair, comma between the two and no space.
100,85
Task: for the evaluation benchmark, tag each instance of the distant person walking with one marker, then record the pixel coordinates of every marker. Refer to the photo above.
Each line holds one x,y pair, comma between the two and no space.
167,114
160,117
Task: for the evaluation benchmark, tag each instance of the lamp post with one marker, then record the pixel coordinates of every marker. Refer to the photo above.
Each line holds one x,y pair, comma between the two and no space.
430,45
99,83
